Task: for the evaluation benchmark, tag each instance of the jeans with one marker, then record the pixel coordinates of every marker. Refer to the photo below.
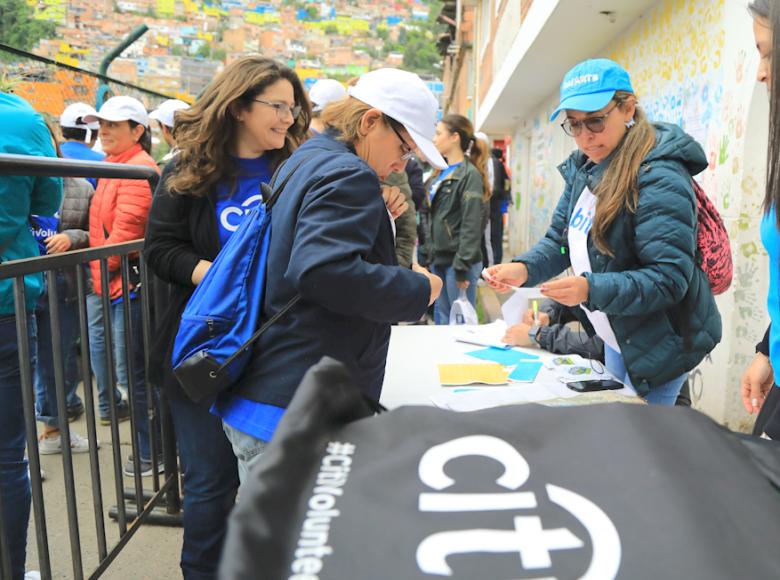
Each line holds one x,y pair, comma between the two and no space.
211,480
497,235
97,353
665,394
45,389
14,478
450,291
246,448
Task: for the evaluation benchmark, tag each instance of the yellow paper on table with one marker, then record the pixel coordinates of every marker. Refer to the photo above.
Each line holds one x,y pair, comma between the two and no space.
468,374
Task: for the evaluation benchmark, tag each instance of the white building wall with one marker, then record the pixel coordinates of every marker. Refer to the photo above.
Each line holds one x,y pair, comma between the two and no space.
692,62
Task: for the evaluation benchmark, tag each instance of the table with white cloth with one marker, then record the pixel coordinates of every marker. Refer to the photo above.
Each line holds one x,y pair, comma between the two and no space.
412,375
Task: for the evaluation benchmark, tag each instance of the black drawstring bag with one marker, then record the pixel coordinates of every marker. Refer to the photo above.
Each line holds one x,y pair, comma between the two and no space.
526,491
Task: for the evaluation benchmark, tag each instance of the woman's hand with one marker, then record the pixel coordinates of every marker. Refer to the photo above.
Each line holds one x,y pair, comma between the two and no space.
200,271
434,280
394,200
569,291
501,276
57,244
517,335
756,381
528,318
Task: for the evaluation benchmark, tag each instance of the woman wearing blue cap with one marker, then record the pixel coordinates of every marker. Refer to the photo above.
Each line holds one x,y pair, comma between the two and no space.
626,226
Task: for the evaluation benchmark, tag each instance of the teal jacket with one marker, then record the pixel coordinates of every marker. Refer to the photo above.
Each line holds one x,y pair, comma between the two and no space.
24,133
657,298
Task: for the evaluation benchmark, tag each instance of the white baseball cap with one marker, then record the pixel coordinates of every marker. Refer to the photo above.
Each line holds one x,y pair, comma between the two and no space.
325,91
121,109
403,96
164,112
73,117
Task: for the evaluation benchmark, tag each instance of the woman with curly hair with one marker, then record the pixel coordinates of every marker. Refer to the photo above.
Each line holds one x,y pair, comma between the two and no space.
248,120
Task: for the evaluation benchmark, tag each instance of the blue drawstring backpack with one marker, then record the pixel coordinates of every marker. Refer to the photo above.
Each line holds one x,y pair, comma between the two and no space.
220,321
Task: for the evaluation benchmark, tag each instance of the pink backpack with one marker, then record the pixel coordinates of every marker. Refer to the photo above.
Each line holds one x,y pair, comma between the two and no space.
712,241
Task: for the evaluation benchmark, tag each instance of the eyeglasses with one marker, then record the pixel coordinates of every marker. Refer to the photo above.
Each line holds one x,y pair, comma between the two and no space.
594,124
282,109
407,151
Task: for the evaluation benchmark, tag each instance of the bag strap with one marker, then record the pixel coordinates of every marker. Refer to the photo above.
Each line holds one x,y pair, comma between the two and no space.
268,205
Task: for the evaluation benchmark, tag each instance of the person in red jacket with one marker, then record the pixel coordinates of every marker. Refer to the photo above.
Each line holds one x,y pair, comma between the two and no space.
118,213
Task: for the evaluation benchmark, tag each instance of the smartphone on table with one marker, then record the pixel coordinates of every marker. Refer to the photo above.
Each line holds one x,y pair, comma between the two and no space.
595,385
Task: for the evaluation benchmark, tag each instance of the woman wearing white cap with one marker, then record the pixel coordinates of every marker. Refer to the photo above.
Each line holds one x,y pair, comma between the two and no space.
164,115
332,244
118,213
626,225
322,93
246,122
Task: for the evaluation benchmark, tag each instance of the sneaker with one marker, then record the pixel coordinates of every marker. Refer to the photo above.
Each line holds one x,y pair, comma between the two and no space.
52,445
32,575
75,411
146,467
122,414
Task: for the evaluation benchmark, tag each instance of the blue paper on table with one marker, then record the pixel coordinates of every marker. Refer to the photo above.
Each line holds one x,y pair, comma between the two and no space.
525,371
506,357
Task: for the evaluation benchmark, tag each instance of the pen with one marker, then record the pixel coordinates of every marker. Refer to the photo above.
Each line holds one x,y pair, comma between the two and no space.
536,312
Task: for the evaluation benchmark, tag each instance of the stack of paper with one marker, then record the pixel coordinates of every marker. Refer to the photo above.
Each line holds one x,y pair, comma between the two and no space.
484,334
467,374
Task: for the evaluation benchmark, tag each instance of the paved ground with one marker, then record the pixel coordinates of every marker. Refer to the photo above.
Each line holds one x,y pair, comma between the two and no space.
152,553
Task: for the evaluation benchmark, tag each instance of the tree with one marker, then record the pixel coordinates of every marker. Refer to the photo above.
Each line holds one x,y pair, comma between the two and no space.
219,54
204,51
420,53
18,27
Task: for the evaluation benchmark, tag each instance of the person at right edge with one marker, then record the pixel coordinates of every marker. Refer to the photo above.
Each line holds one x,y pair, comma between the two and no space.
626,225
758,389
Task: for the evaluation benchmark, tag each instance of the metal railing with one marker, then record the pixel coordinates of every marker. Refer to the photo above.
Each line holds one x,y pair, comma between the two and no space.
134,506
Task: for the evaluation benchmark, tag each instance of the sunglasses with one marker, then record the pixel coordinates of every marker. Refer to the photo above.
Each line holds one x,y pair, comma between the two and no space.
595,124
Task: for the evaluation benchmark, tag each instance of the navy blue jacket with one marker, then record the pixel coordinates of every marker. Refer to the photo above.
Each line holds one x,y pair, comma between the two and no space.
657,298
331,241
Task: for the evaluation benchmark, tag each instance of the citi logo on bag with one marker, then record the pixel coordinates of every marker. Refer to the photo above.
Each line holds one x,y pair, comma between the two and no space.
581,221
524,534
230,217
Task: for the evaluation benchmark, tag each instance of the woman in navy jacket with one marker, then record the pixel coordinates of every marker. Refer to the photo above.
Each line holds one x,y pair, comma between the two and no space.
332,244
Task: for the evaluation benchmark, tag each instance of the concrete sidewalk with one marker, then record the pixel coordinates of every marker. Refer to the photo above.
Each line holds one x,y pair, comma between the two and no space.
152,553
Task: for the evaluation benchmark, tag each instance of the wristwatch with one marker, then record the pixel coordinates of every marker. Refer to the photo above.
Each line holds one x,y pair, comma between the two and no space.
533,332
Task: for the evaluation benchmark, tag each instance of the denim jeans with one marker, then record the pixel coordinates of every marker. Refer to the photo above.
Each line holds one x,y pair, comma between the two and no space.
97,353
97,346
14,478
450,291
246,448
210,483
665,394
45,389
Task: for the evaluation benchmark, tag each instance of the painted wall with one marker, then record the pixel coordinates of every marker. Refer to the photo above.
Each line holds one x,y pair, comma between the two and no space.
705,82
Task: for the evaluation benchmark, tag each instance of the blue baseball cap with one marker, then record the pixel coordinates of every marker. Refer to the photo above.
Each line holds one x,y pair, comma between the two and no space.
590,85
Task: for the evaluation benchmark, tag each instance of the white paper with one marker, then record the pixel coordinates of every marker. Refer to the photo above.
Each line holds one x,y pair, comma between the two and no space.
484,334
464,401
514,308
527,293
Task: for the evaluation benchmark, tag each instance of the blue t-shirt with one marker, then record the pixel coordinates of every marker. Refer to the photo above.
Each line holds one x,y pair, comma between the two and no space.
43,227
771,240
234,200
256,419
77,150
435,185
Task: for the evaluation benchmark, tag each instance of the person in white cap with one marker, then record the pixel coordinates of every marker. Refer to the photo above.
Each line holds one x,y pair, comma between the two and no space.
332,244
164,115
78,136
321,93
118,213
